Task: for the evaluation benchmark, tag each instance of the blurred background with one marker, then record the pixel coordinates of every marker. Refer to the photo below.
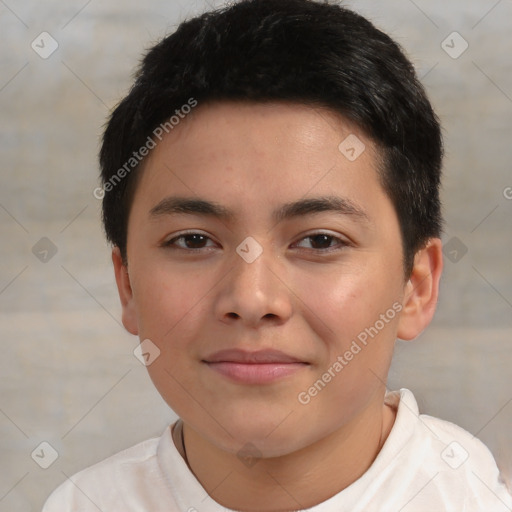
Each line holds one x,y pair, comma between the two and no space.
68,376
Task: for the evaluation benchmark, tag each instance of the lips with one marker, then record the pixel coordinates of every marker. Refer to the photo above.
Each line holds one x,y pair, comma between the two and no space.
258,357
258,367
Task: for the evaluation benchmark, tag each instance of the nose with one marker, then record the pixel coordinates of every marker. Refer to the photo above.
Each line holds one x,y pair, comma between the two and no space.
255,294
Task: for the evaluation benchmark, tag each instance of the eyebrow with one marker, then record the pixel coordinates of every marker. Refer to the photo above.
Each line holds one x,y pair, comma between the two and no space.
193,206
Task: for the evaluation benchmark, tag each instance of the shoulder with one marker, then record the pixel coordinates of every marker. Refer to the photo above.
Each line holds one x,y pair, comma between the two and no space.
457,447
446,431
460,464
105,482
445,440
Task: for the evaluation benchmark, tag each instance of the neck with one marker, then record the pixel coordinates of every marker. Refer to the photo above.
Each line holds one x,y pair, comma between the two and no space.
296,480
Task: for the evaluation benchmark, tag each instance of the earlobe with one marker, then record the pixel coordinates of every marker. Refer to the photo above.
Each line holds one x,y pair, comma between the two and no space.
421,291
124,288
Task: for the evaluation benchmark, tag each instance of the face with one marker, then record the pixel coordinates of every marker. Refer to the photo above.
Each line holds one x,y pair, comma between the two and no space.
262,260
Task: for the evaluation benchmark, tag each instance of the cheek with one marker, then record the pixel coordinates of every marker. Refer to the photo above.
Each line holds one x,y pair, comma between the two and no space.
354,318
352,314
165,298
344,302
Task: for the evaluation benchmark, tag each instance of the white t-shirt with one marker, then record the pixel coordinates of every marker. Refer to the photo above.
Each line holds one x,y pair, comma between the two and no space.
425,465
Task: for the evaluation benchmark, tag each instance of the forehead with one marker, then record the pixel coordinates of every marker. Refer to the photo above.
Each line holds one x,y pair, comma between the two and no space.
261,154
274,128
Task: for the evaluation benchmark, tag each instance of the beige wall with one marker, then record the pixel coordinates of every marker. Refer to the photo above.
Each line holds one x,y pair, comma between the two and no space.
68,375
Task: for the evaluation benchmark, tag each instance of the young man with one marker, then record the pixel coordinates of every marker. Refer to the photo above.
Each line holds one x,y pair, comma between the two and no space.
271,192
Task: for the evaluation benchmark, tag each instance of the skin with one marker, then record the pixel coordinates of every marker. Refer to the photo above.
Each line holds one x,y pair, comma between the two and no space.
309,298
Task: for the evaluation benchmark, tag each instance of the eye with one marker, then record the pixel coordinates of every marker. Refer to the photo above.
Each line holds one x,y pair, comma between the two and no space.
189,241
322,242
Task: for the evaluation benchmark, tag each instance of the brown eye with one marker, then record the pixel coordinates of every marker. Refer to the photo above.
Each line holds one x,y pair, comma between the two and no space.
321,242
189,241
195,241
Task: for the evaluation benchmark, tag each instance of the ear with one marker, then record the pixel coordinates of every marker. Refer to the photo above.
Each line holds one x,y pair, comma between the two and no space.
421,291
125,292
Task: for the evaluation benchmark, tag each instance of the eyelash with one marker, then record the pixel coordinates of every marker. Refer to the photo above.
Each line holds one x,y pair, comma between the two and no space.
341,244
